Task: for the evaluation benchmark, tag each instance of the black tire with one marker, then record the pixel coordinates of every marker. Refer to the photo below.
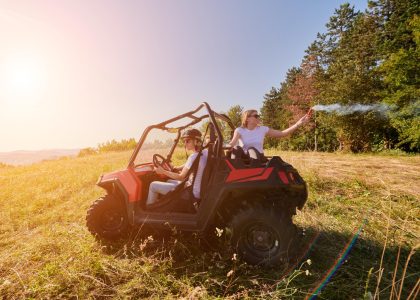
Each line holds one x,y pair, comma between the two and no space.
263,236
107,218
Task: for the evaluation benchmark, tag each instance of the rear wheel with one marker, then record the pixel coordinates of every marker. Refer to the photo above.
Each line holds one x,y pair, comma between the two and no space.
107,218
263,235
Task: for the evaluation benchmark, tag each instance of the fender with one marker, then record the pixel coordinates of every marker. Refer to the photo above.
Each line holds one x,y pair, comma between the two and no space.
127,183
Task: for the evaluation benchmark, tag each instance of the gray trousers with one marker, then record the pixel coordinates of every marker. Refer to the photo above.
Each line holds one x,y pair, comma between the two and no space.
157,188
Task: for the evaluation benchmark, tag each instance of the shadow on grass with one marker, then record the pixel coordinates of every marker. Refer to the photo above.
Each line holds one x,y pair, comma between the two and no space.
337,267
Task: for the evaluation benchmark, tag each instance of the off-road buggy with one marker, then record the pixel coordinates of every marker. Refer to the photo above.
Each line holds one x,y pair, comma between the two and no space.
251,199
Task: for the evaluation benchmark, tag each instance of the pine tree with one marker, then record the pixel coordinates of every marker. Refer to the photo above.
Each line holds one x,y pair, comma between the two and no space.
350,78
398,43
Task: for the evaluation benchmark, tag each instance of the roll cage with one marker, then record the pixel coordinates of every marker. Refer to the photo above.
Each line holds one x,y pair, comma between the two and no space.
211,115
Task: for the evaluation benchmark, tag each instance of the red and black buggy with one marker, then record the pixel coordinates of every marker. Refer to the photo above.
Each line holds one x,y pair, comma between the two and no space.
253,199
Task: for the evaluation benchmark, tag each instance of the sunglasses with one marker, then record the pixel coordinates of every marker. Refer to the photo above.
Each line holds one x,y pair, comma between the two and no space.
255,116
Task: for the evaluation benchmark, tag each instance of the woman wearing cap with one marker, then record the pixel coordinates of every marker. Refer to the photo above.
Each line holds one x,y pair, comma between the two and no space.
192,141
251,134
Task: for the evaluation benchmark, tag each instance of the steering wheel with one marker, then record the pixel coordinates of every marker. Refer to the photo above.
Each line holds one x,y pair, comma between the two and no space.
159,160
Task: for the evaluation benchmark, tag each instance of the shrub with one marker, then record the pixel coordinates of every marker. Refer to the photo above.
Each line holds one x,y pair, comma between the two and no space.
117,145
87,151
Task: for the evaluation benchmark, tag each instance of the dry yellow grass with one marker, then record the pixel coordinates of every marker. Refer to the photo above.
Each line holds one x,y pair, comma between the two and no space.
394,174
46,251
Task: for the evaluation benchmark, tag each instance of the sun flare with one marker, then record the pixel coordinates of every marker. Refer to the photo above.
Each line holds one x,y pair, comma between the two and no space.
23,78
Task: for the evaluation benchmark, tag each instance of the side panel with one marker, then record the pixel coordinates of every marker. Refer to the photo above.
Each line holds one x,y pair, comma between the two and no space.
244,175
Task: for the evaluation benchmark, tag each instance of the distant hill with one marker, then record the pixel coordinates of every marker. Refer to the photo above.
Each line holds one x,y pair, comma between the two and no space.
23,157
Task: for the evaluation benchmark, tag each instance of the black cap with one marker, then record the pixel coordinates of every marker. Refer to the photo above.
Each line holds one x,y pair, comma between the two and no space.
192,134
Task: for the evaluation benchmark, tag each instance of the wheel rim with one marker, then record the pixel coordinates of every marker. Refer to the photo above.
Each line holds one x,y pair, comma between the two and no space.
261,239
112,221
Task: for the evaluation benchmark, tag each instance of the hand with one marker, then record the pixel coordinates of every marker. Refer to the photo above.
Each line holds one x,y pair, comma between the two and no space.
305,119
310,111
159,170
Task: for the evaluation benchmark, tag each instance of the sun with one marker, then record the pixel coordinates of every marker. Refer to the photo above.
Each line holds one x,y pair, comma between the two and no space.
23,78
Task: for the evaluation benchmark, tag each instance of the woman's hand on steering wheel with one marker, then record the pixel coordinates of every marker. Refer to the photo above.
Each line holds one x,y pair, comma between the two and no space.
160,161
159,170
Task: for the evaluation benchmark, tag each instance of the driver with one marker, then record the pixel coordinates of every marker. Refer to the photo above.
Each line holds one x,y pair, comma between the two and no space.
192,142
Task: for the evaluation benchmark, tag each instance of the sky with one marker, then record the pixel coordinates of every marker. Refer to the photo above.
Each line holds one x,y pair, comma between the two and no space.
77,73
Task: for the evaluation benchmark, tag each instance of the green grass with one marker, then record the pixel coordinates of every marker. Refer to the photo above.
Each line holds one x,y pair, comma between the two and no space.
47,252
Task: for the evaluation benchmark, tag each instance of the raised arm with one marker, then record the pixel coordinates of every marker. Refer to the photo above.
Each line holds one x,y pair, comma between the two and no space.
283,133
234,140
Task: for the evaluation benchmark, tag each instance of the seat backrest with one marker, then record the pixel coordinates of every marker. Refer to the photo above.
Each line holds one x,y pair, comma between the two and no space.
252,158
210,157
238,153
254,153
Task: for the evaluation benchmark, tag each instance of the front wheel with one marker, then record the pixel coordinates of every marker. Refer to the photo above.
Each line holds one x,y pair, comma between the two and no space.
263,235
107,218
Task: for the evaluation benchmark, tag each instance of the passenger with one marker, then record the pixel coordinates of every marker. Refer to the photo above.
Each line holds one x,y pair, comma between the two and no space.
251,134
192,141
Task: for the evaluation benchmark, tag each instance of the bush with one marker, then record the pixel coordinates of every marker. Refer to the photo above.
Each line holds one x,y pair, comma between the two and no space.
114,145
87,151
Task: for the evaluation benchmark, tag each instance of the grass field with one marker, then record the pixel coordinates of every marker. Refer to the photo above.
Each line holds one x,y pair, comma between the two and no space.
47,252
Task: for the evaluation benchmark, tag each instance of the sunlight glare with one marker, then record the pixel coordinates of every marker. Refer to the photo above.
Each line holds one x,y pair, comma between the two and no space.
24,78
